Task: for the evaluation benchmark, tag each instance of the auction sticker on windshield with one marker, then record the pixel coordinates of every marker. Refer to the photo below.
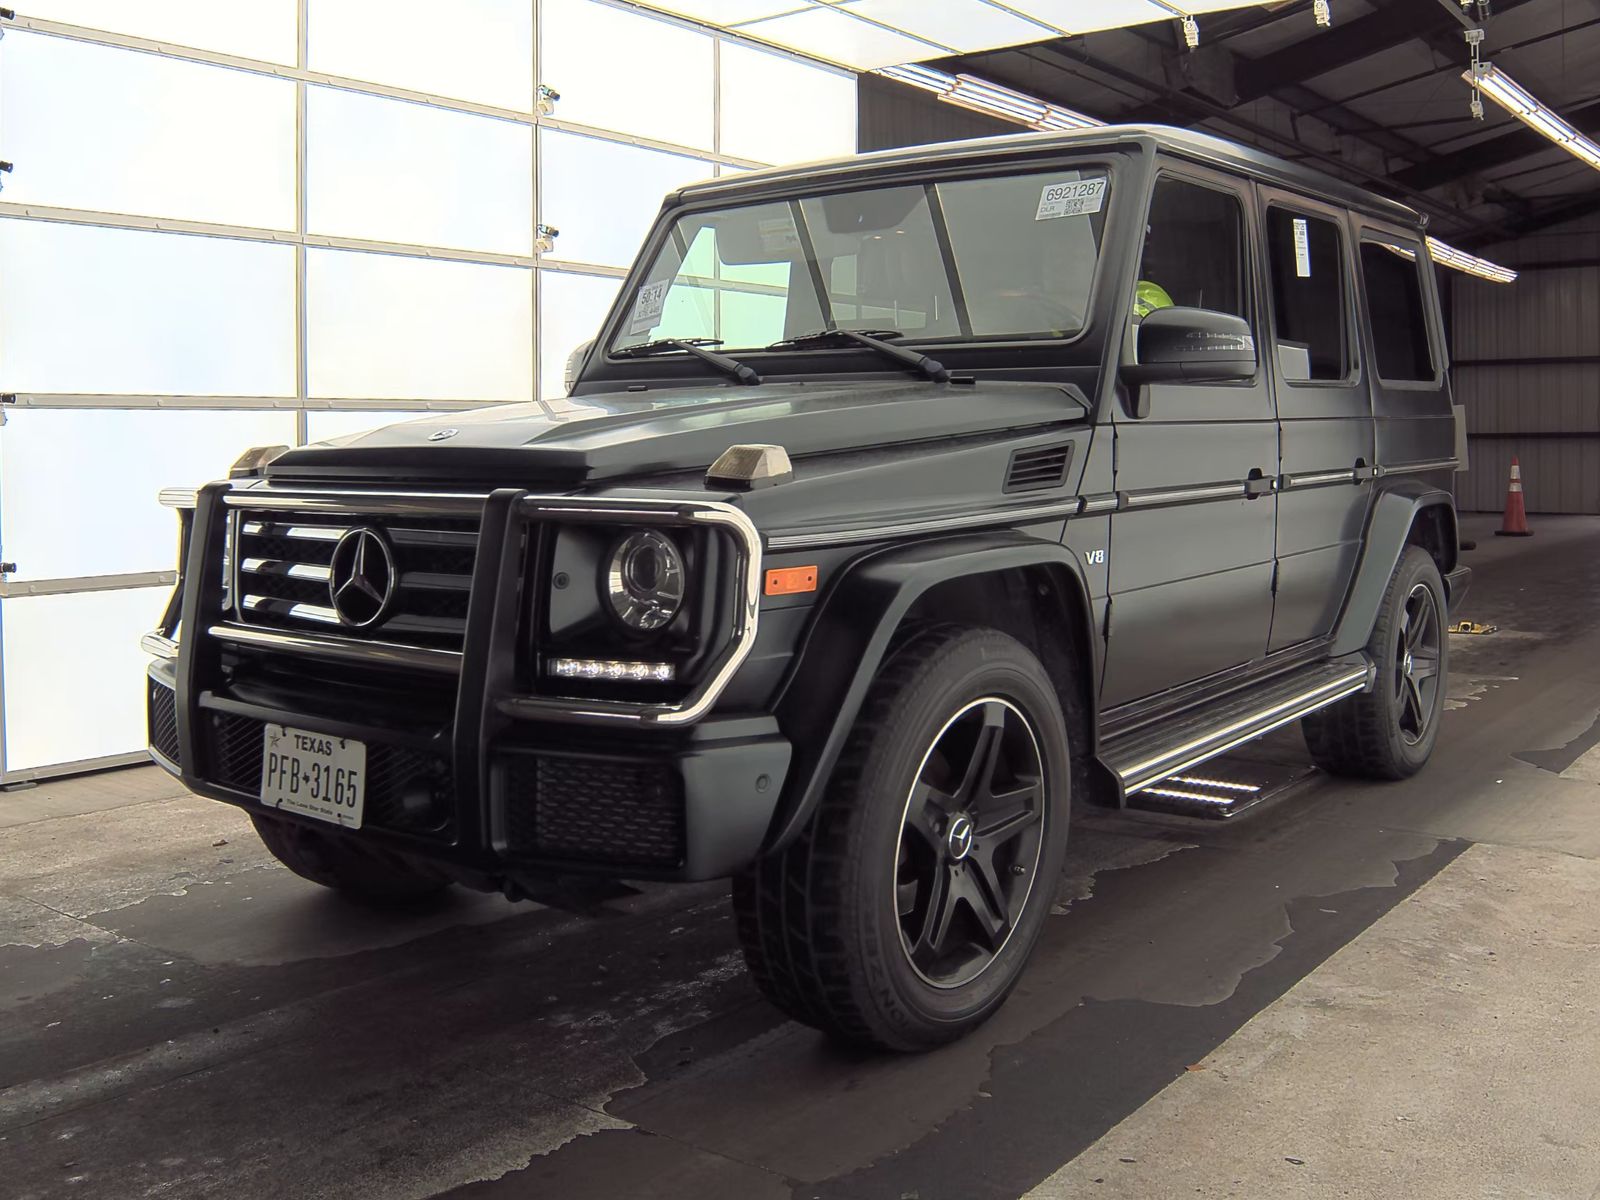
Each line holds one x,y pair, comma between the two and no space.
314,774
1077,198
648,307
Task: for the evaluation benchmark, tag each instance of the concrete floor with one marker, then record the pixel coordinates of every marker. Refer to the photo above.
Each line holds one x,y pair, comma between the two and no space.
1354,990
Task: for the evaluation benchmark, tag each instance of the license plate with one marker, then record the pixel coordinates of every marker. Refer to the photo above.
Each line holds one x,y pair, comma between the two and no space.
314,774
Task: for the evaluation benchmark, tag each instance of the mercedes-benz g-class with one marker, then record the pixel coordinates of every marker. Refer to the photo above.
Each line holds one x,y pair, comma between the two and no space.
903,505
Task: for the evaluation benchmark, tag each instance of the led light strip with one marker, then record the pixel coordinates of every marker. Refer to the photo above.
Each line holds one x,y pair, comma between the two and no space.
980,95
1522,104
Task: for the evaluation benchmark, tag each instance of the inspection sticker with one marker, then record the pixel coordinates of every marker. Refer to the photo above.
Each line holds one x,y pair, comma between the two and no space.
649,305
1078,198
1302,248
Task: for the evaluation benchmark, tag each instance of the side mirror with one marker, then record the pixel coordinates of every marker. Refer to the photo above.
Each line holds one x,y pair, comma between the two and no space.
1192,345
575,364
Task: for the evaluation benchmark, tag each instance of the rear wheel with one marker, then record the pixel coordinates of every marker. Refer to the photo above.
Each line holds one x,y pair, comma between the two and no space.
904,914
364,873
1389,731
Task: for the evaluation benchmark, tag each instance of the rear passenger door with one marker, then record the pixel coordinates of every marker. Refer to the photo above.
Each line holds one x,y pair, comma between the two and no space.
1324,409
1414,430
1190,561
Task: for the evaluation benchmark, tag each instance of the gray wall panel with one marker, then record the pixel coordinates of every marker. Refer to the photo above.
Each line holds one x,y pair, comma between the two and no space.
1547,414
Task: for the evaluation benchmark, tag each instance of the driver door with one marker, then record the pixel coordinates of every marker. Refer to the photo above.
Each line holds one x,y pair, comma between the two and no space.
1190,563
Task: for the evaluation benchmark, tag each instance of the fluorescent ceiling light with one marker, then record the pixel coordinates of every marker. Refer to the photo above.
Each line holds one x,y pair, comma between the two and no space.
1022,109
1521,103
1460,260
980,95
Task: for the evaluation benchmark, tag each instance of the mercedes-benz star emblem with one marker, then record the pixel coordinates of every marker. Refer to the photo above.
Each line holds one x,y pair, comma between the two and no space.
361,577
959,837
441,435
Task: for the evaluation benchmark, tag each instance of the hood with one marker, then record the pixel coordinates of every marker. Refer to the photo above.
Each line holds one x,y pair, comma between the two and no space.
617,434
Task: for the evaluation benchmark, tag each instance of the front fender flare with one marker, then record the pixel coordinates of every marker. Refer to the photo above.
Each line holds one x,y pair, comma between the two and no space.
851,635
1394,512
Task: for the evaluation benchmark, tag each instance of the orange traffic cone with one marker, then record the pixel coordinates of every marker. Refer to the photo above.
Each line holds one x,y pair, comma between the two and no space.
1515,523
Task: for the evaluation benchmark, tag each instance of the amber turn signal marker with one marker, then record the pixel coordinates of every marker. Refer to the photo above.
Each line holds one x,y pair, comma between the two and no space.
788,581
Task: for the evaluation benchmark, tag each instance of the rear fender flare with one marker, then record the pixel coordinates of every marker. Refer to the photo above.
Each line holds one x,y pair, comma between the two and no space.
852,633
1394,512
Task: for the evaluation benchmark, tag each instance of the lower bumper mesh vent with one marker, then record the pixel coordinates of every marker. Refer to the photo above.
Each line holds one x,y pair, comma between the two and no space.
163,715
594,810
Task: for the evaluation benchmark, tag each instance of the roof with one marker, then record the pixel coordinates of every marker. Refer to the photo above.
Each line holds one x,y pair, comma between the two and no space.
1200,147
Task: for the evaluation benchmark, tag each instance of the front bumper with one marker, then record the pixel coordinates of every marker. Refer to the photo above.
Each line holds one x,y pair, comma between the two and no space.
458,771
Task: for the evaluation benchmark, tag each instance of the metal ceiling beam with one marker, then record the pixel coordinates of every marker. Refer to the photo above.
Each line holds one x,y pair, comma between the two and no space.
1392,25
1556,214
1519,142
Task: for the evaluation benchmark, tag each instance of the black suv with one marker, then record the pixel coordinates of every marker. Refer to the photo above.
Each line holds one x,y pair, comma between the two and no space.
903,504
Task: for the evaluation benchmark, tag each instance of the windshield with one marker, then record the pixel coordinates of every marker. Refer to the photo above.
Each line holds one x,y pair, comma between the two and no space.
995,258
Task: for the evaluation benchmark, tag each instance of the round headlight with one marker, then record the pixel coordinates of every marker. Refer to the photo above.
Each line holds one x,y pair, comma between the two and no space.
644,580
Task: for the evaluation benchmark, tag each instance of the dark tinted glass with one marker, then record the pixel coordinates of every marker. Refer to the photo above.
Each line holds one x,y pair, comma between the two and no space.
1307,296
1399,320
1192,247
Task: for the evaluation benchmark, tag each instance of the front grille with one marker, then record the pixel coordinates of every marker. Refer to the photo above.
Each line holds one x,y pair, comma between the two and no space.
283,563
407,789
593,810
163,714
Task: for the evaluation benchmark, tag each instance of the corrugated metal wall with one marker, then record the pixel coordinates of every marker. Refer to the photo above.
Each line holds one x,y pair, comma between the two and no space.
1527,367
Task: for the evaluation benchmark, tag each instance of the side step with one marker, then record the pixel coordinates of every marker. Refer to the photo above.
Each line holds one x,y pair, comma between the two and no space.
1155,752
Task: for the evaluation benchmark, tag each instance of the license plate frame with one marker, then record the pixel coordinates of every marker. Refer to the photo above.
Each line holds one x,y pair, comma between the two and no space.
315,775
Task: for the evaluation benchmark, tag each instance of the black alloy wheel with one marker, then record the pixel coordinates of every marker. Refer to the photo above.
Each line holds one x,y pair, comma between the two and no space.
1389,730
1416,665
904,913
969,842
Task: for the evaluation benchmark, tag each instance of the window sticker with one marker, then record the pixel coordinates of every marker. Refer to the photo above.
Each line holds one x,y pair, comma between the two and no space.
778,234
1302,248
1079,198
647,308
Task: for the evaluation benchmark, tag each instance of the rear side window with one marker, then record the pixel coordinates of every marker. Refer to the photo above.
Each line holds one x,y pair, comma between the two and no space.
1308,297
1393,284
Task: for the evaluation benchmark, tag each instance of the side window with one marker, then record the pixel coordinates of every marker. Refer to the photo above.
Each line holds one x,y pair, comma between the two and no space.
1393,283
1193,251
1308,296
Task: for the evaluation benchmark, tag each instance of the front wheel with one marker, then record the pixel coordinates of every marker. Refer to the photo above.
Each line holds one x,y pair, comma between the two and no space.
1389,731
903,915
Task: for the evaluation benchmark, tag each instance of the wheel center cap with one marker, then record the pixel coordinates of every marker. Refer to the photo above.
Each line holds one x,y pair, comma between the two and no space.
958,838
1406,664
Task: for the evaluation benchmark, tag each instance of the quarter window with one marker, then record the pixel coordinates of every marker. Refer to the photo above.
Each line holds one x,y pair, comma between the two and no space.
1393,284
1308,297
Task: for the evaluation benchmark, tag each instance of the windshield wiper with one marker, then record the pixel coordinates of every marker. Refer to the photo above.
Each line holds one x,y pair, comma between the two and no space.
743,372
873,339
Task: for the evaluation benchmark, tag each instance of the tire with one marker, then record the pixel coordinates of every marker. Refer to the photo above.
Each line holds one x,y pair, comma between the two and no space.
846,929
362,873
1389,732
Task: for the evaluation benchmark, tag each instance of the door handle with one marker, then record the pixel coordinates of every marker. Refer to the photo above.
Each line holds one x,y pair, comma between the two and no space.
1259,484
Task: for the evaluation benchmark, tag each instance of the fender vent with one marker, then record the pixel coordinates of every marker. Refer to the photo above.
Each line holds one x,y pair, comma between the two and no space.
1036,470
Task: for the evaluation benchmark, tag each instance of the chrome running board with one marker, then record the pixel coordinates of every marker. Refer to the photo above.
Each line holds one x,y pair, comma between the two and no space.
1150,754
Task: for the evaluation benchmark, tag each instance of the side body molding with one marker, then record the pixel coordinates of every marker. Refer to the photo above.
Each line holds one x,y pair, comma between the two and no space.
1393,513
851,635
